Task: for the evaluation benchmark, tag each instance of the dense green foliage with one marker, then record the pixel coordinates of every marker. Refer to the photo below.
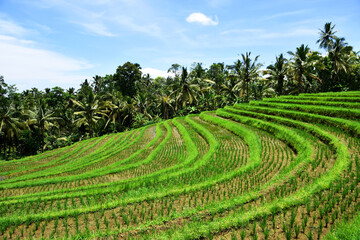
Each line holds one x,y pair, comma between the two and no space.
33,120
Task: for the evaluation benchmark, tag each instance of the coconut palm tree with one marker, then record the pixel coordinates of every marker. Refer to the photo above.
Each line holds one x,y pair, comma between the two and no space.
42,118
115,104
302,66
165,103
128,112
277,72
327,37
91,111
216,76
339,56
198,71
120,110
97,84
247,71
185,90
10,126
143,103
230,89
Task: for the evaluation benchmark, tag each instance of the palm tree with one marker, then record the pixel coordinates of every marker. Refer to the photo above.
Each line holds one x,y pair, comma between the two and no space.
120,109
261,88
91,111
277,73
235,77
128,112
143,103
10,126
303,64
216,76
97,84
339,56
42,118
165,102
186,90
230,89
247,71
198,71
115,104
327,37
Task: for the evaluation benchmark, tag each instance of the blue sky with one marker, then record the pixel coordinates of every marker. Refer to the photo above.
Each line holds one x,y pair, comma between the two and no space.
47,43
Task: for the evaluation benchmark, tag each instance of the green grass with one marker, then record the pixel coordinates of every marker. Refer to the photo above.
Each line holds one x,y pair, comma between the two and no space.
346,230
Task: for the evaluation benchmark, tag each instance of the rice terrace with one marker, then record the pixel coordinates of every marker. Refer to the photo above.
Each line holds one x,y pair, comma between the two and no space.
281,168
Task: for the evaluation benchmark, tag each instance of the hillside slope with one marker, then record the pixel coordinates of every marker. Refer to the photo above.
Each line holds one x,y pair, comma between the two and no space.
286,167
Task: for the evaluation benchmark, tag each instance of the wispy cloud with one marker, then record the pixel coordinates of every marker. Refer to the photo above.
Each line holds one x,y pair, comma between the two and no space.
242,31
287,14
109,18
202,19
97,28
292,33
10,28
29,66
258,33
151,29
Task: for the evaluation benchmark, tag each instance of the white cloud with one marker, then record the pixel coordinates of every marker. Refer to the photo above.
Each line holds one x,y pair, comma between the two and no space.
262,34
101,17
27,66
129,23
154,73
243,31
10,28
286,14
97,28
202,19
300,32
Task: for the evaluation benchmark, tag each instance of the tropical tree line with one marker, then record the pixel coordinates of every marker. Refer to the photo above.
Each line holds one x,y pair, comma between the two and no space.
33,120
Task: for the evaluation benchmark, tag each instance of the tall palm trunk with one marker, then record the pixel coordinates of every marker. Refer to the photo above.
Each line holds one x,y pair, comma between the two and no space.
300,81
91,126
5,150
166,112
280,85
42,139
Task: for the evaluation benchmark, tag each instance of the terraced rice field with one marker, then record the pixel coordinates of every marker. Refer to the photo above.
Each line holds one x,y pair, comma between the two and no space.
281,168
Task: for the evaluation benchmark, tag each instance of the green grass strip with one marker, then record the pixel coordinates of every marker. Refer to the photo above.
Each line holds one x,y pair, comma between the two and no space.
333,94
319,98
322,110
311,102
351,127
